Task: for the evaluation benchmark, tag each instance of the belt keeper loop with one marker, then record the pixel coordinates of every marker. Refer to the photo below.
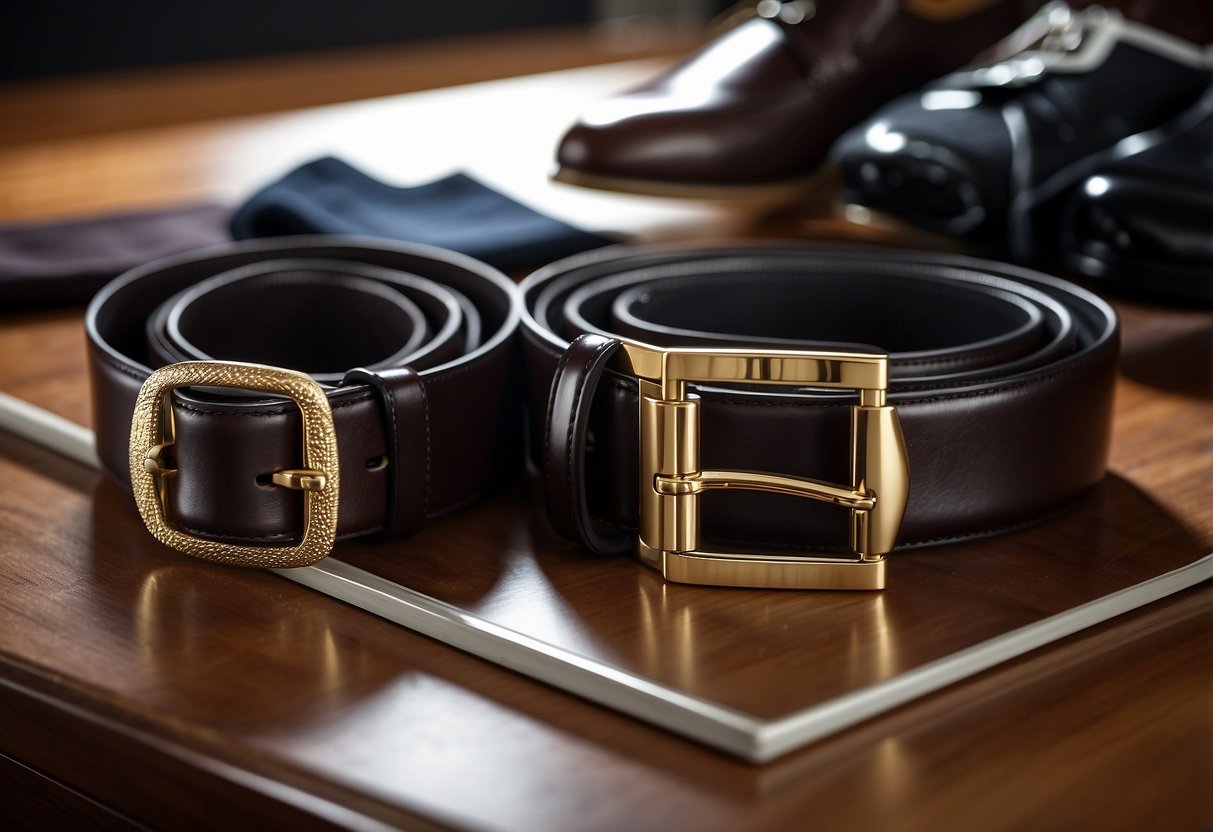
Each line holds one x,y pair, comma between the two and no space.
565,437
402,400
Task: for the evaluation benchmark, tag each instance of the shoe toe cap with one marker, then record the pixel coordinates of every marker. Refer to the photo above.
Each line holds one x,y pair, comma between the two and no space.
945,168
1148,220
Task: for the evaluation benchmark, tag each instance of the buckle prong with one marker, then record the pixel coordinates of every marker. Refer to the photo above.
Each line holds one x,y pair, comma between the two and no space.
300,479
154,461
672,478
722,479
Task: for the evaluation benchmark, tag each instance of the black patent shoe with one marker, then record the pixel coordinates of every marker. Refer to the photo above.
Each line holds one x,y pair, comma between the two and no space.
986,153
1143,224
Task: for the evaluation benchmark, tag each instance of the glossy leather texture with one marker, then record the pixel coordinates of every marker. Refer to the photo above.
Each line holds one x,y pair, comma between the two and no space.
1144,224
988,153
1002,377
414,345
566,437
761,104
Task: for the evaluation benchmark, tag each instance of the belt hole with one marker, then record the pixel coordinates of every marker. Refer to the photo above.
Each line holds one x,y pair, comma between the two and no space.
377,463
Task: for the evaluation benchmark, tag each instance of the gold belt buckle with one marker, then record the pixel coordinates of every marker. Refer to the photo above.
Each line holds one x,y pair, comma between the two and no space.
152,435
672,480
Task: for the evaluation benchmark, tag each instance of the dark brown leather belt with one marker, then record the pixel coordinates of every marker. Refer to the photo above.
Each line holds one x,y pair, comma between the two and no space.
226,467
746,359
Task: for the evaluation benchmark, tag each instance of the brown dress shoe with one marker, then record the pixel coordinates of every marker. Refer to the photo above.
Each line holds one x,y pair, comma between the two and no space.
754,111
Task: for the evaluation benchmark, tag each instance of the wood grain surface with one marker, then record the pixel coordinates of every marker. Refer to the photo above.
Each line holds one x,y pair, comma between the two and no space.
182,695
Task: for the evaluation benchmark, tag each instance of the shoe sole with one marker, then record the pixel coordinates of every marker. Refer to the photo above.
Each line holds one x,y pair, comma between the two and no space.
923,193
864,223
774,193
1160,282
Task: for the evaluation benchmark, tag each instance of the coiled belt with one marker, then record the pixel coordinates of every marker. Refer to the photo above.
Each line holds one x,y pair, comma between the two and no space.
411,408
678,381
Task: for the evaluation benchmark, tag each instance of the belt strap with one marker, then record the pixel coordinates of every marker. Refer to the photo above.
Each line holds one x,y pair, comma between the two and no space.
1002,377
409,348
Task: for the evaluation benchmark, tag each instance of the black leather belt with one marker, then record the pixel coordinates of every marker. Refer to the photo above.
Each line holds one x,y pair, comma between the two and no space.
673,378
411,408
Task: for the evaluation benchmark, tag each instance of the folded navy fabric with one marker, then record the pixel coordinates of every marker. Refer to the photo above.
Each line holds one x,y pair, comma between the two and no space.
328,196
67,261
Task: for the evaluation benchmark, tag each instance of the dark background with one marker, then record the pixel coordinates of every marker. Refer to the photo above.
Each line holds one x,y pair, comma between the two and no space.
54,37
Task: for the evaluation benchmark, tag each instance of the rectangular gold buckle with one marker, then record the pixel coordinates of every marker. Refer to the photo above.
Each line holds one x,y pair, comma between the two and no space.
672,480
152,434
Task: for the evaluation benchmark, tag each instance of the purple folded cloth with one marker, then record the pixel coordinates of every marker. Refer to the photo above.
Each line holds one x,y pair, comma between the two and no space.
65,262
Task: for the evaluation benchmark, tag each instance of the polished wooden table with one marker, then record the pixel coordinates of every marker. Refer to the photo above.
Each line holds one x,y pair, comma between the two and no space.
138,689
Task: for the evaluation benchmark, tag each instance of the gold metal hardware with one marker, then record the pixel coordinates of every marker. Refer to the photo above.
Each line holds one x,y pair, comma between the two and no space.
153,461
672,479
152,433
299,479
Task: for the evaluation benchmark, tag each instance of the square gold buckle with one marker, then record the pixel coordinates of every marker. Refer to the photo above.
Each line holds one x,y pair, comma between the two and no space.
152,434
672,480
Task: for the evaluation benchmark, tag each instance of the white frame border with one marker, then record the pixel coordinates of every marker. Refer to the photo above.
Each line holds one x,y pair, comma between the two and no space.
726,729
